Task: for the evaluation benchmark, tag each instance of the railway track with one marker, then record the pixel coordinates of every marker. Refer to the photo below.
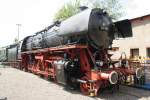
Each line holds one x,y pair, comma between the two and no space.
136,92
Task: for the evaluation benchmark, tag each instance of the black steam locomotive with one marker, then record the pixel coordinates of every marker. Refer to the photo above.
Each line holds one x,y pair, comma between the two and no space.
73,51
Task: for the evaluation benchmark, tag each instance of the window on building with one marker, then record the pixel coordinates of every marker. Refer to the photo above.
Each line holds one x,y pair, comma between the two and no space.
134,52
148,52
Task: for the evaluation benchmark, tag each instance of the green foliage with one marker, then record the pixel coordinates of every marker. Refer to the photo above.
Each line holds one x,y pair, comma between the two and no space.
68,10
113,7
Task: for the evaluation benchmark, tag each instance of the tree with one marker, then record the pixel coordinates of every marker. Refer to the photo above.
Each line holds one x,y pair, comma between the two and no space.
113,7
68,10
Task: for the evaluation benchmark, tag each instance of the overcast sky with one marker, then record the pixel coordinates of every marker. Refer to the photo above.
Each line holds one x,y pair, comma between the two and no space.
34,15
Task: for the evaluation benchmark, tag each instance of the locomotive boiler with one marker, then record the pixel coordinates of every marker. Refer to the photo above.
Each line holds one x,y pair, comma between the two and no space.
74,52
94,27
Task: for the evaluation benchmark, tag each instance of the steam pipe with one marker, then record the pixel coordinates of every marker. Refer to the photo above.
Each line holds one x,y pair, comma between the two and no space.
112,77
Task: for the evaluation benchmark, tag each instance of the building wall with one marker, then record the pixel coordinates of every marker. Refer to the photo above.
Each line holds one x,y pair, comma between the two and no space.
140,39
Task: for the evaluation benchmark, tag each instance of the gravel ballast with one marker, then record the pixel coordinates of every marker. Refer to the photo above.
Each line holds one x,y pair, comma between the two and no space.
19,85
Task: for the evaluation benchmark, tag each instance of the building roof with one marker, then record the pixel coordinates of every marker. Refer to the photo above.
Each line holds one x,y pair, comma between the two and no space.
141,17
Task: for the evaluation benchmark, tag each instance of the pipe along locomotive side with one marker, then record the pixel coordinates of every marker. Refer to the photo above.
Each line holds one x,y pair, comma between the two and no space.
74,52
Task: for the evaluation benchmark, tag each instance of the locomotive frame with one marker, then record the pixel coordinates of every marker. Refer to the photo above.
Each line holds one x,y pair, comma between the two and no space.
93,79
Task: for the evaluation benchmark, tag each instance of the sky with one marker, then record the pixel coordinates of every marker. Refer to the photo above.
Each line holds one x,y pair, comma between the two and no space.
34,15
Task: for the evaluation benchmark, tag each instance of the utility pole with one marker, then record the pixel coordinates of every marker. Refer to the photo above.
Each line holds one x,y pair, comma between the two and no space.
18,25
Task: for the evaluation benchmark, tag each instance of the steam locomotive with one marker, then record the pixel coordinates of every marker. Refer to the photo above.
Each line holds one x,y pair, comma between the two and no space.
74,52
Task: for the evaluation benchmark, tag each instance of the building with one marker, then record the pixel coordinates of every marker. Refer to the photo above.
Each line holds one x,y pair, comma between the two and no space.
139,44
